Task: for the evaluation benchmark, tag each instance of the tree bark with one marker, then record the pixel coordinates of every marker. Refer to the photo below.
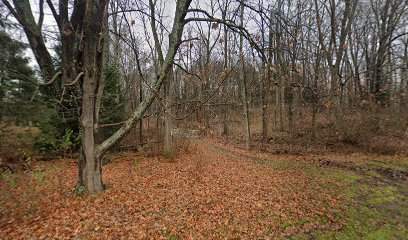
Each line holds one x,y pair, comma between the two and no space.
267,79
168,143
243,82
92,60
87,25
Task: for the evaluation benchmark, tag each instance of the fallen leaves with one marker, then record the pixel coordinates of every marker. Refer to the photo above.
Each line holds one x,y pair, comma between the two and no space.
209,194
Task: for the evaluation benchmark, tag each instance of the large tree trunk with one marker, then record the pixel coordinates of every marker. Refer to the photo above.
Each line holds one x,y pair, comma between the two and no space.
87,22
90,166
92,172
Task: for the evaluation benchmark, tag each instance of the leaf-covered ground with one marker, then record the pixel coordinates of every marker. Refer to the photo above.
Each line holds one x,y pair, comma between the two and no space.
212,192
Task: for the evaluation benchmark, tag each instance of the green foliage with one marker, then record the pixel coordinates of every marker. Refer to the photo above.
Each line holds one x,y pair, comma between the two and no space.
48,141
70,140
58,129
58,122
112,106
79,191
16,83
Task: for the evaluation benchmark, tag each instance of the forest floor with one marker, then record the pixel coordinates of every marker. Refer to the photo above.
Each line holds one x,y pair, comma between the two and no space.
212,191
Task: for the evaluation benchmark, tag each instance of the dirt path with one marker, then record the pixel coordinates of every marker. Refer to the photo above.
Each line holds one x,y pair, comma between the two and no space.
211,193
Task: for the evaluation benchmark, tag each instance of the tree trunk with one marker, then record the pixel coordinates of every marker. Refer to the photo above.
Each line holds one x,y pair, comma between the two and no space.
290,108
168,143
282,106
267,83
92,58
265,103
243,82
141,119
87,24
278,104
224,131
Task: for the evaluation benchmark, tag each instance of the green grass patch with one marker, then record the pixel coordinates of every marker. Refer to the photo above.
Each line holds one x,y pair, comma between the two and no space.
377,209
383,195
394,164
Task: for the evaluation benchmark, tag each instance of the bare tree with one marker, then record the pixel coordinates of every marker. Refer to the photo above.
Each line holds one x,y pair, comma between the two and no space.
87,29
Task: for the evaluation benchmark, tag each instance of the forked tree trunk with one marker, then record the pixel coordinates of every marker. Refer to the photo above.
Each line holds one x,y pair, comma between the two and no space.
90,166
87,22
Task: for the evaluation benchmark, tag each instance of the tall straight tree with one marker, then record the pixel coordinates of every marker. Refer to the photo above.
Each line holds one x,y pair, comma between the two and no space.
167,93
243,82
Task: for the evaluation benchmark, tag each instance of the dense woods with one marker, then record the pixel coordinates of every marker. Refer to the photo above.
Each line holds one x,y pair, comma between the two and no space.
90,79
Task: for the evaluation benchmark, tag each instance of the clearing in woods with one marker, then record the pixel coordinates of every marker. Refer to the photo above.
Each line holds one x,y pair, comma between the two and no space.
211,192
